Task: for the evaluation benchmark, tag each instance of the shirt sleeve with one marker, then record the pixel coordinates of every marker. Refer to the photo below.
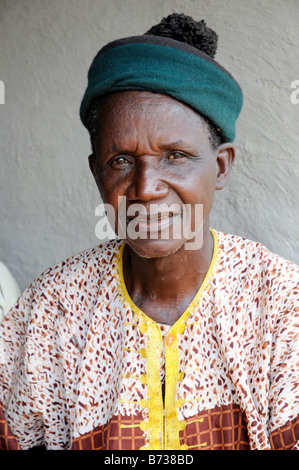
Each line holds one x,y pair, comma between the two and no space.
284,377
20,418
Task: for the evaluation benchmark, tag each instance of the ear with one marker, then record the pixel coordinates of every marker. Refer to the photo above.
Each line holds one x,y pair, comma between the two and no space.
92,160
92,163
225,160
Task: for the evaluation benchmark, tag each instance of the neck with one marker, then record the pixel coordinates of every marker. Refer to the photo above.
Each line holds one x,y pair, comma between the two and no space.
164,287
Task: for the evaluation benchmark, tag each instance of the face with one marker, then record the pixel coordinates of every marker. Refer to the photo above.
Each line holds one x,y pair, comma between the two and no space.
154,151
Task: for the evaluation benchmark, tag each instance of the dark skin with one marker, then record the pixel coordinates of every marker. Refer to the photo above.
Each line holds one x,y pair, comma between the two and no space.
154,149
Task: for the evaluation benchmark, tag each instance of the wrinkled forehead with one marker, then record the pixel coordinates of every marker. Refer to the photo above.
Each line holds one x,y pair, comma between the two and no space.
135,104
134,119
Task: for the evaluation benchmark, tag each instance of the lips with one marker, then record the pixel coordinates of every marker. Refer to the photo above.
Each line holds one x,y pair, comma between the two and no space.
153,217
154,222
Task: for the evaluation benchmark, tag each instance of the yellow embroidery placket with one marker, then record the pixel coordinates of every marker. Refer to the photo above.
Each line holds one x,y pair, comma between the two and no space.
163,424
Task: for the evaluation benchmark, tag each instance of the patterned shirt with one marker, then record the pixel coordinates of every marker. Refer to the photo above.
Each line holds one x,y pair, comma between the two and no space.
82,367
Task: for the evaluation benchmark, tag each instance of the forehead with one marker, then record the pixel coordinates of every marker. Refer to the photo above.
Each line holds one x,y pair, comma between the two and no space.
137,102
134,113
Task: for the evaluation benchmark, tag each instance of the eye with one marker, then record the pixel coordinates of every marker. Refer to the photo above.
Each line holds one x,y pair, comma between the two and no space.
177,156
119,162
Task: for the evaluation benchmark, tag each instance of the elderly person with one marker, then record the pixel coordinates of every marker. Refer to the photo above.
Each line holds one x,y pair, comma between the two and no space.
155,342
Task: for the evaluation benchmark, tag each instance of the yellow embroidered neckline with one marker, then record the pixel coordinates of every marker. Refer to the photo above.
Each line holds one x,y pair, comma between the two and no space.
163,424
196,298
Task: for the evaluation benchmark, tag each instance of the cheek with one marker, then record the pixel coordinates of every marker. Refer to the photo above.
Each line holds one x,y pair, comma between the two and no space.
110,188
113,195
199,188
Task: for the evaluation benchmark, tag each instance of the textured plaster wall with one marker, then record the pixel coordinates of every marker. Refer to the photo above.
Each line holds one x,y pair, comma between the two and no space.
48,196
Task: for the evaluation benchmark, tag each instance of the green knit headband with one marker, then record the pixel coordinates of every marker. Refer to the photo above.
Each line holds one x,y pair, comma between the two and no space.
163,65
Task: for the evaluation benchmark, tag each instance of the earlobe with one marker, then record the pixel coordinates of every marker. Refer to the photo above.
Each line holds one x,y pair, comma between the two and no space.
225,161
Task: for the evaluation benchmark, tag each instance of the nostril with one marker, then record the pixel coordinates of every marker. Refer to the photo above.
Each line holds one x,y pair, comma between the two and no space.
162,188
145,191
147,185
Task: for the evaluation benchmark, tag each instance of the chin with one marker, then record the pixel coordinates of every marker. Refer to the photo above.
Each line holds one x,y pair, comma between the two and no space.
155,248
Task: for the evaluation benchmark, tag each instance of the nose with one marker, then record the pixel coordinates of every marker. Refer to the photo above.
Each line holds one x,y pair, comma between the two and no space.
148,183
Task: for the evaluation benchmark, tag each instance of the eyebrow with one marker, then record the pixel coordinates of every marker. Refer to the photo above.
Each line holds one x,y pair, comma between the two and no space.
163,146
176,143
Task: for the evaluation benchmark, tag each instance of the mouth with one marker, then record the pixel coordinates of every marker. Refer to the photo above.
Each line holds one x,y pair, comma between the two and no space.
153,223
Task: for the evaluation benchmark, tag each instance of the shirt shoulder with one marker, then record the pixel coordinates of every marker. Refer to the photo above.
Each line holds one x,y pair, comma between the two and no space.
92,264
254,261
74,284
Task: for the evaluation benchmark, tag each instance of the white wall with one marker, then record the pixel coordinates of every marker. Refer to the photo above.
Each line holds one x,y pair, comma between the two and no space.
48,196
